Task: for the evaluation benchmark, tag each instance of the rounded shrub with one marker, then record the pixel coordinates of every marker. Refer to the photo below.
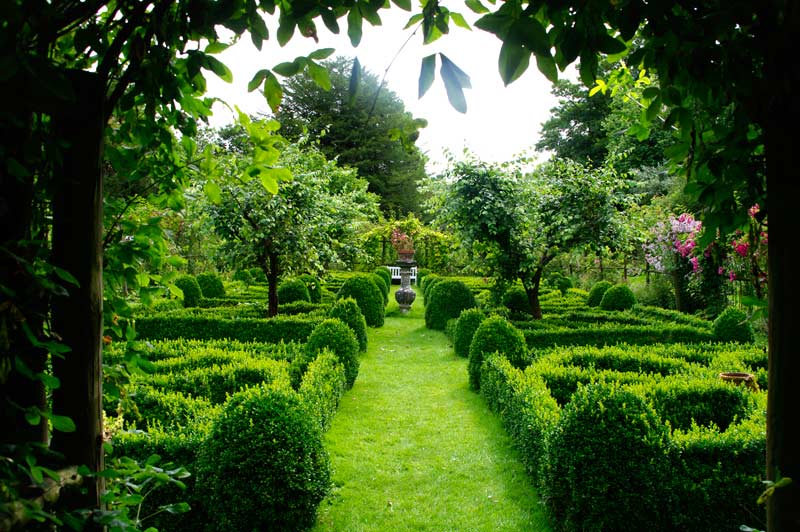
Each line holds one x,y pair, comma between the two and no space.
430,281
446,301
314,285
292,290
618,297
495,335
363,289
211,285
243,276
258,275
596,293
264,466
347,310
732,326
468,322
340,339
608,467
381,283
191,290
421,274
385,273
516,300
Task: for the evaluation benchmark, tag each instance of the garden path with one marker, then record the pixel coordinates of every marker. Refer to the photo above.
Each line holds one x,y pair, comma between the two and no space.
413,448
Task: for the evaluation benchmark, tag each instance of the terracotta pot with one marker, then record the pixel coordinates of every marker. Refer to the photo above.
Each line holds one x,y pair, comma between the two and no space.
748,379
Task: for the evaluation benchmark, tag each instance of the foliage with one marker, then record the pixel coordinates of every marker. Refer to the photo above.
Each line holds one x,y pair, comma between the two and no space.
292,290
446,301
495,335
321,388
365,127
618,297
519,222
191,290
348,311
733,326
314,286
385,274
368,296
266,436
590,453
334,335
516,300
432,248
380,282
243,276
210,285
468,322
273,330
597,292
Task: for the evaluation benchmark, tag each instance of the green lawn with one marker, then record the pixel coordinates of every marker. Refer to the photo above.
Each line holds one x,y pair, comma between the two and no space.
412,448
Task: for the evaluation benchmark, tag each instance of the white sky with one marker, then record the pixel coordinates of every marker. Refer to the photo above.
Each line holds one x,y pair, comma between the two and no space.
500,122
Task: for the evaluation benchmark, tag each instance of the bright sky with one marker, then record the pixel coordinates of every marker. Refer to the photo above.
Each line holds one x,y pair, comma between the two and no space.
500,122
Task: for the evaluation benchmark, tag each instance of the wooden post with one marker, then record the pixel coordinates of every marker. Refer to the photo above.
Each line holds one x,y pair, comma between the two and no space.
77,248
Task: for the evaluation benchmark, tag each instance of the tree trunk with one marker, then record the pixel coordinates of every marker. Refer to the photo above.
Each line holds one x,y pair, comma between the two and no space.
783,191
532,291
77,248
272,273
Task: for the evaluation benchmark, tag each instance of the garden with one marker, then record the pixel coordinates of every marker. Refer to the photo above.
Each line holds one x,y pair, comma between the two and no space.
296,322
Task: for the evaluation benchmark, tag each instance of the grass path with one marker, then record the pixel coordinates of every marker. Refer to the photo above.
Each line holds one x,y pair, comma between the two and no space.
412,448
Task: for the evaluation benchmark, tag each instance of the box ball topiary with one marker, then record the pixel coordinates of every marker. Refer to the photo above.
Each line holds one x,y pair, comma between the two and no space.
292,290
421,274
430,281
243,276
607,463
495,334
191,290
363,289
380,283
596,293
516,300
340,339
446,301
347,310
258,275
264,466
563,284
468,322
211,285
385,273
314,285
732,326
618,297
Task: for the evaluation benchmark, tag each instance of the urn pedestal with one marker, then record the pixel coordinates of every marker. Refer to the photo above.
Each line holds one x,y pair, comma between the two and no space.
405,295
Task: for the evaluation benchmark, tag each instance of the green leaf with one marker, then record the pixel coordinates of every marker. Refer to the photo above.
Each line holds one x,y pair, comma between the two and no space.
329,19
371,15
453,78
219,68
650,93
320,75
547,66
213,192
427,74
415,19
588,68
513,62
279,174
355,81
354,29
33,416
216,47
476,6
257,80
610,46
677,152
64,275
405,5
287,69
269,183
285,30
322,53
273,92
176,508
143,279
258,30
653,109
175,291
459,21
497,23
62,423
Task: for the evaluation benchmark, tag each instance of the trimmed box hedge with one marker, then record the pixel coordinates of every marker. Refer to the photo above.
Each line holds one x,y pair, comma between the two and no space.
273,330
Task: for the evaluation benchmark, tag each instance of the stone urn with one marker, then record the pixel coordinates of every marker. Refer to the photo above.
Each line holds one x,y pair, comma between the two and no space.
405,295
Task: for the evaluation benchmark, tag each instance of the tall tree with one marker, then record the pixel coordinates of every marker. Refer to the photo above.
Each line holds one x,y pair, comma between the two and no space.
362,124
520,223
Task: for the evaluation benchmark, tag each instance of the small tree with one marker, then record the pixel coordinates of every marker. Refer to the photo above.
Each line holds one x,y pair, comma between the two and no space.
520,223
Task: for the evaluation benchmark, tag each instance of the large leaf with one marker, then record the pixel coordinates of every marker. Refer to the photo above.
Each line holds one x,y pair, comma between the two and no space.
476,6
213,192
287,69
257,80
405,5
322,53
459,21
273,92
414,19
354,25
427,74
513,62
547,66
455,81
320,75
219,68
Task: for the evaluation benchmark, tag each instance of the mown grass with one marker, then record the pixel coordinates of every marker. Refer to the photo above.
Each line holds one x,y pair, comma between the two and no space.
412,448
